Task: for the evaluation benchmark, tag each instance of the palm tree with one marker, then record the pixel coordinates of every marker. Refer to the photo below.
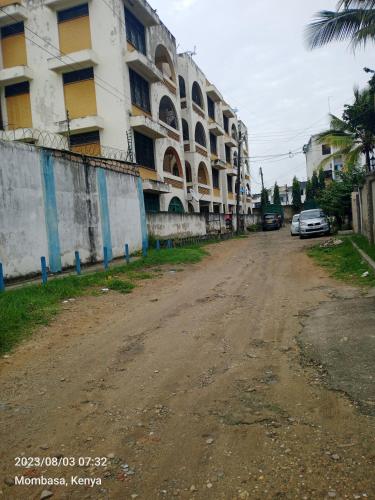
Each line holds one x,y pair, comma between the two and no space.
352,20
354,134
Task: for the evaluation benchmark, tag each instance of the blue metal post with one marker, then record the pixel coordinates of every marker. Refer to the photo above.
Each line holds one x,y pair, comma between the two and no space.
169,243
144,250
105,253
127,257
2,284
157,244
44,270
78,262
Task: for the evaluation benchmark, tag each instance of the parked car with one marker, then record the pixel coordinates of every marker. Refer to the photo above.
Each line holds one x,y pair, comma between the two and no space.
294,226
313,222
271,221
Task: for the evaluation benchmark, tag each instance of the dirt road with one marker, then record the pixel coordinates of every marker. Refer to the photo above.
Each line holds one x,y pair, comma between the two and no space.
191,387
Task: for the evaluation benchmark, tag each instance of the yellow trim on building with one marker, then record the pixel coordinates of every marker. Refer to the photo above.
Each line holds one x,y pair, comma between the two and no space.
92,149
14,51
217,193
19,111
4,3
148,174
130,47
75,35
80,99
230,196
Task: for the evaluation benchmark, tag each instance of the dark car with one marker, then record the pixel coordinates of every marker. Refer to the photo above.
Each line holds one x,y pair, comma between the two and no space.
271,221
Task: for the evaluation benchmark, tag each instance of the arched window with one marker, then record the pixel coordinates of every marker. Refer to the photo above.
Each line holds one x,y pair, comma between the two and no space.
191,208
182,85
176,206
185,130
235,155
197,95
234,132
189,177
163,62
167,112
172,163
203,174
200,135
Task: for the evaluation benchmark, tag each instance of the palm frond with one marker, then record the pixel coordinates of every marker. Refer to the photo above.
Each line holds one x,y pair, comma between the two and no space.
330,26
337,139
355,4
364,35
337,123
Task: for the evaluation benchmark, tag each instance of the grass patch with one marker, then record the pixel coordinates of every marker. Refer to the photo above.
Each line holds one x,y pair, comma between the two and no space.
364,245
344,263
23,309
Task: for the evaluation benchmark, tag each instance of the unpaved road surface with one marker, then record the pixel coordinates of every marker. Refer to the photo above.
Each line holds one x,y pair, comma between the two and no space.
191,386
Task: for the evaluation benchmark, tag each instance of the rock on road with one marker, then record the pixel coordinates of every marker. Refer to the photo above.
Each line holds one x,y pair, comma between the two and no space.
191,387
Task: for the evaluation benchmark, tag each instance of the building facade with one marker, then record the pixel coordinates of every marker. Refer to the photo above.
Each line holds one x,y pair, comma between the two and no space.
316,153
103,78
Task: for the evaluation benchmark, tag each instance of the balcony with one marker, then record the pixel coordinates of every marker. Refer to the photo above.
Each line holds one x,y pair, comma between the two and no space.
156,187
147,126
74,61
230,141
144,66
16,74
213,93
143,11
12,13
80,125
228,111
215,129
219,164
62,4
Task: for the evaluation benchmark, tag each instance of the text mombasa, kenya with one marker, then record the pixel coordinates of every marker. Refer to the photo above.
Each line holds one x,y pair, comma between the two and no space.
57,481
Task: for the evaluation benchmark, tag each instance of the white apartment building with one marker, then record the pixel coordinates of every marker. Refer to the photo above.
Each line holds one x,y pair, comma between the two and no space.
315,153
104,78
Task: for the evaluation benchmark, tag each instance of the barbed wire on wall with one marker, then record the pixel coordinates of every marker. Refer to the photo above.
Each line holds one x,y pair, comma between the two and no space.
46,139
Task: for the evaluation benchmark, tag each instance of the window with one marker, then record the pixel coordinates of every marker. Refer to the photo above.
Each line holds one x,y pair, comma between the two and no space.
13,45
78,76
79,93
226,124
213,144
215,178
74,29
326,149
176,206
182,85
87,143
227,154
200,135
234,132
189,177
164,63
152,202
211,108
144,150
172,163
18,105
185,130
167,112
135,32
140,91
73,13
235,163
230,184
197,95
203,174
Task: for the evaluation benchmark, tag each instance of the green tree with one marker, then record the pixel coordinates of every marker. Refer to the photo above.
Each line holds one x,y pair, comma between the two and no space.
276,195
352,20
354,134
264,201
336,198
322,182
314,186
296,195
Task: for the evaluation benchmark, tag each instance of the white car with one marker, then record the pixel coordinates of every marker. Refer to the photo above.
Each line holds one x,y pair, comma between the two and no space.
313,222
294,226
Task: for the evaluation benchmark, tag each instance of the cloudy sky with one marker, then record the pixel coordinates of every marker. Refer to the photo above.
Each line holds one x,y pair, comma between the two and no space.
254,52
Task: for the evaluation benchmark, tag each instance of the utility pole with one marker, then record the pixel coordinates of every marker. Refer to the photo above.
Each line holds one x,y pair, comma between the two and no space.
261,176
238,183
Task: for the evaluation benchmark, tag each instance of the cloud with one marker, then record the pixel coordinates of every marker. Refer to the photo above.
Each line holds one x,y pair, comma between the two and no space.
181,5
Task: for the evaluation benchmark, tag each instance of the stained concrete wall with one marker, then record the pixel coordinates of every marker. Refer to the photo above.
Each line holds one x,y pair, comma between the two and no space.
54,203
172,225
361,209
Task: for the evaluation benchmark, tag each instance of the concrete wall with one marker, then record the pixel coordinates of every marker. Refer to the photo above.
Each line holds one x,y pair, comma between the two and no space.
171,225
54,203
361,208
